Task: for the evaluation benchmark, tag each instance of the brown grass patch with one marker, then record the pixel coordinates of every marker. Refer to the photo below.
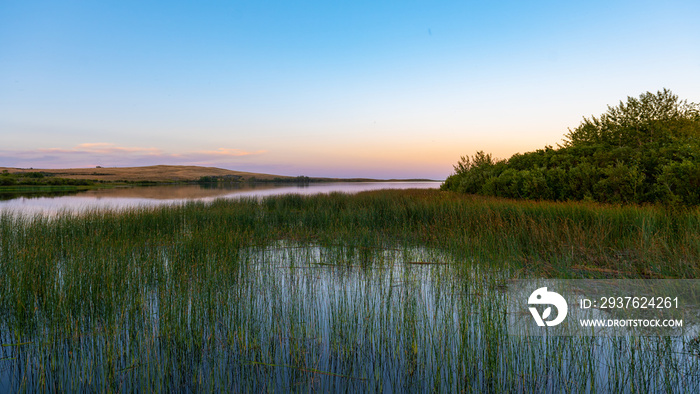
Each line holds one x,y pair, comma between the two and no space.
159,173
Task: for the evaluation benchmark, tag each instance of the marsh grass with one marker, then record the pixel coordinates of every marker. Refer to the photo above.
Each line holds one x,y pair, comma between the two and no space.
381,291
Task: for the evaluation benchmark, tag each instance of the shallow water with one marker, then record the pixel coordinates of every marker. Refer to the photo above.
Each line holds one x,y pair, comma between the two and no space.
294,317
129,197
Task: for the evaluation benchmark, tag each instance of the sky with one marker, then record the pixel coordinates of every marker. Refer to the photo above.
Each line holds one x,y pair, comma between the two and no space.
335,88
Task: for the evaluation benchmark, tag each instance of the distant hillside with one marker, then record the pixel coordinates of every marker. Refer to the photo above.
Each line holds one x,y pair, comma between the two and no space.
160,173
90,177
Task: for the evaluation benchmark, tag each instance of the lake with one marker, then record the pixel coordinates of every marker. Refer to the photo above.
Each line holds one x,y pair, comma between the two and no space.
140,196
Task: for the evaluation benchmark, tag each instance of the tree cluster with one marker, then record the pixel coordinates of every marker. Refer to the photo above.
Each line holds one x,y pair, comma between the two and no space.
644,150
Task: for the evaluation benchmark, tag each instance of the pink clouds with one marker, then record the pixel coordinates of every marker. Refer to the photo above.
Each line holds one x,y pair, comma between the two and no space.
99,147
108,154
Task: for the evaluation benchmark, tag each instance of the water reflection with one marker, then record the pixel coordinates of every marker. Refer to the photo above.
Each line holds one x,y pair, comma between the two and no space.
128,197
301,317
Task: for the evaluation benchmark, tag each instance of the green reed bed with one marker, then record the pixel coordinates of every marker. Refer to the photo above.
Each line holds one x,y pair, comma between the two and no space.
381,291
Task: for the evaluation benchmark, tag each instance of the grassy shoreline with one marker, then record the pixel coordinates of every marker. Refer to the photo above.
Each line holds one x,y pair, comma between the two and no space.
545,238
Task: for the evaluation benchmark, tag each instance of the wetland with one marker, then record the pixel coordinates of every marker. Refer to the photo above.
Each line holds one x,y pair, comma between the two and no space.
379,291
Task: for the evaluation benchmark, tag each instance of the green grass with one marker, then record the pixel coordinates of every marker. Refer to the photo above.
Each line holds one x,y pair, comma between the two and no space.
327,292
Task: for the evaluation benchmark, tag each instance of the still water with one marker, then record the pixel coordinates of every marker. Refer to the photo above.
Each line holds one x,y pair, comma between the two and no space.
129,197
295,317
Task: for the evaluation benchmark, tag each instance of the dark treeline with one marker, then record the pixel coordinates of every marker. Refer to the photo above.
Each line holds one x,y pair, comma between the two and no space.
220,179
646,150
239,179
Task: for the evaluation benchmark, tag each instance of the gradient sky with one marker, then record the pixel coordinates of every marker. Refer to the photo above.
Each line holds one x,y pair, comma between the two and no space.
387,89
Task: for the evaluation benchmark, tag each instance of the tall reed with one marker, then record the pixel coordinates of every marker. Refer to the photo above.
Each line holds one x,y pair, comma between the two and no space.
390,290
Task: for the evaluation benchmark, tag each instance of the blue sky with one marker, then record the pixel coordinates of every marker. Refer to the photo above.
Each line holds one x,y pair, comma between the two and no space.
388,89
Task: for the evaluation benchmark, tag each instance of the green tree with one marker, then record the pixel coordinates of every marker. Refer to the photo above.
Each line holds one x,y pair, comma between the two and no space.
646,149
651,118
680,182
